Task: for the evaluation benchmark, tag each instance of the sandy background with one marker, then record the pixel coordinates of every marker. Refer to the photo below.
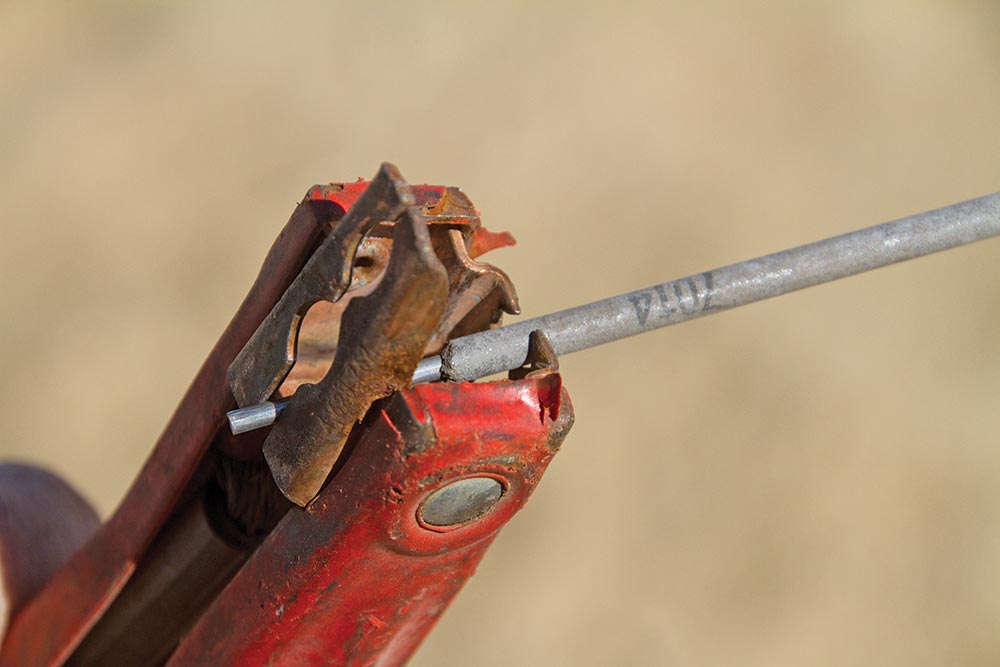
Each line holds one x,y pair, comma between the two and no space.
809,481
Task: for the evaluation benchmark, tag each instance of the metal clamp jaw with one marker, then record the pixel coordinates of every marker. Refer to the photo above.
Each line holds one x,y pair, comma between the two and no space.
393,280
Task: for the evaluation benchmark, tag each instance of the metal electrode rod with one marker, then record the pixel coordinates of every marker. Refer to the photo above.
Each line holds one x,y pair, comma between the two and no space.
488,352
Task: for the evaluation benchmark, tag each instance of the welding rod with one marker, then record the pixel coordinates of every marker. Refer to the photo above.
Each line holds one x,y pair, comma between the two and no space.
485,353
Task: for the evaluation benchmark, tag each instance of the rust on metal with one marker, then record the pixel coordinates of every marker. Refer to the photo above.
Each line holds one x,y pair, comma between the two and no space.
542,359
382,337
320,328
264,362
478,293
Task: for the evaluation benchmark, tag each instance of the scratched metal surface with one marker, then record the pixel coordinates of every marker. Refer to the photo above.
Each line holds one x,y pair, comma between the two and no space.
810,480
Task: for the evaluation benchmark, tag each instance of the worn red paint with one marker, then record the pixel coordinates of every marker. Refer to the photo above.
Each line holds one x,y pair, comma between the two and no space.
356,579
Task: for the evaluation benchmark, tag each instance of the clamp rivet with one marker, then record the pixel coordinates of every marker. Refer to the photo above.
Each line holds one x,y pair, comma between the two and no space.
461,501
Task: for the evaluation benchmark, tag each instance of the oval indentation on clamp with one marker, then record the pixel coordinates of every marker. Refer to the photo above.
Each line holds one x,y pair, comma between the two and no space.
461,501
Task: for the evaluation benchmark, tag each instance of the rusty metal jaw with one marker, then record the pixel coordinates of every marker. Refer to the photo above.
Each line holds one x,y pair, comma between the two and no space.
412,288
382,337
270,353
478,293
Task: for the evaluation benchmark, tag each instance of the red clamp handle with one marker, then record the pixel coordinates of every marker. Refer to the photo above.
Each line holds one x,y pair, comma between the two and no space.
361,575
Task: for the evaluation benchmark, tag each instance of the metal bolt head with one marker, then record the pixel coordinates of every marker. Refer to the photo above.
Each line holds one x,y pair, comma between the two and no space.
461,501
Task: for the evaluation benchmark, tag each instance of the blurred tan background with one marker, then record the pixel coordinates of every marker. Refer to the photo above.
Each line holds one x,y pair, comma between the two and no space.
809,481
